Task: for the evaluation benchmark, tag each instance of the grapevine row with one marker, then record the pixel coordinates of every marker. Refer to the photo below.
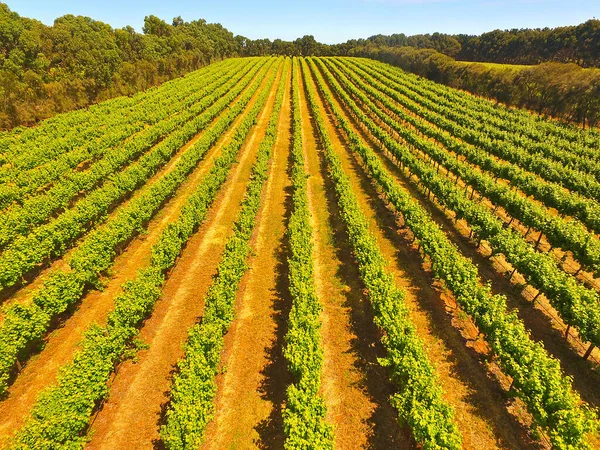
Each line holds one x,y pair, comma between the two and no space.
20,220
568,235
118,134
537,377
584,184
552,195
63,132
304,412
23,325
576,304
52,239
63,411
35,161
419,399
573,139
462,112
191,406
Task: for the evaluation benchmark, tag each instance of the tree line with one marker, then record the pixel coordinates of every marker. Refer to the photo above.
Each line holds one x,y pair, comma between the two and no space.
571,44
45,70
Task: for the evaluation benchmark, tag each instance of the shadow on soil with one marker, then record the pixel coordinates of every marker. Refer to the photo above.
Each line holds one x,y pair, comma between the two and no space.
585,374
385,432
275,374
486,395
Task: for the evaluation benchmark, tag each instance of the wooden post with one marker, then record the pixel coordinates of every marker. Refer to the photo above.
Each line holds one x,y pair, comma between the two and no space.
536,296
511,275
589,352
567,331
539,240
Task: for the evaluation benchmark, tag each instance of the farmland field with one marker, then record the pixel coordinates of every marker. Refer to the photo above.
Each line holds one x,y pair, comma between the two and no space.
299,253
490,65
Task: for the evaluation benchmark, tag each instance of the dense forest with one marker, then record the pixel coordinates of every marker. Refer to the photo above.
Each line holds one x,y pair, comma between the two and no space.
45,70
573,44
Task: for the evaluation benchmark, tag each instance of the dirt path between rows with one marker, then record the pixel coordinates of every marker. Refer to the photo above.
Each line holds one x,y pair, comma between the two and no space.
251,392
41,369
24,294
356,387
130,417
350,405
478,401
540,318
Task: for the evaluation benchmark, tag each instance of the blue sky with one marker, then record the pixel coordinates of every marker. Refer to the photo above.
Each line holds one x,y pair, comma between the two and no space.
330,21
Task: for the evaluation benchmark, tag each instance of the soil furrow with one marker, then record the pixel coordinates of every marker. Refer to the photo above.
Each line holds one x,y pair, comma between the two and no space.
478,400
41,370
251,391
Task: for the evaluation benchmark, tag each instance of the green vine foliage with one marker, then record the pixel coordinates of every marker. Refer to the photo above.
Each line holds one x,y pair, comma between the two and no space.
304,413
194,387
586,209
419,399
576,304
62,413
538,379
24,325
129,137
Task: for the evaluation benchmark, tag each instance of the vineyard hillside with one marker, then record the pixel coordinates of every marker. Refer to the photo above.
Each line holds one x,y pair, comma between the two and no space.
300,253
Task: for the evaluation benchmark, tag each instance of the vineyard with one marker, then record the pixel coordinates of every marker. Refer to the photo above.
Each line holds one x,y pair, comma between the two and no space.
300,253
